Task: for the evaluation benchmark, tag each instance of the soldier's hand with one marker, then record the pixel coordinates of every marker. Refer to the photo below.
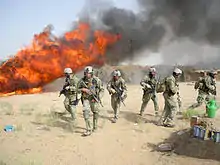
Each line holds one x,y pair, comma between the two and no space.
85,90
124,95
112,91
148,86
212,87
67,88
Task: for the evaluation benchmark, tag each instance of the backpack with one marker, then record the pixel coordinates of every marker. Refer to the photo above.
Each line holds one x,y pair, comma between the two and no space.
161,86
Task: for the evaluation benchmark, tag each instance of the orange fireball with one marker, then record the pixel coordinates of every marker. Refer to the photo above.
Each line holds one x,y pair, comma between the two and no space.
45,59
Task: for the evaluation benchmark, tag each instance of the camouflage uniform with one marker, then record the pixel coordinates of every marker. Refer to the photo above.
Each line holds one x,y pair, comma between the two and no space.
149,93
72,95
96,86
206,87
113,86
171,95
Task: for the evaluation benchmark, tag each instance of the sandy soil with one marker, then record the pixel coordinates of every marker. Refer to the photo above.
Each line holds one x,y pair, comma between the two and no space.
44,137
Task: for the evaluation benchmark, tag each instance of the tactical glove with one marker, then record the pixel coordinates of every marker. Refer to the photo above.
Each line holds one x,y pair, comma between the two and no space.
112,91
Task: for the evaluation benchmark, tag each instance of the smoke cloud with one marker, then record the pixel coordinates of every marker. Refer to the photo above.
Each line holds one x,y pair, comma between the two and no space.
181,30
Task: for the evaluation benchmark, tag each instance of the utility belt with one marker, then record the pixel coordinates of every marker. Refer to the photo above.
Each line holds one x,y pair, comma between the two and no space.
149,91
87,96
71,92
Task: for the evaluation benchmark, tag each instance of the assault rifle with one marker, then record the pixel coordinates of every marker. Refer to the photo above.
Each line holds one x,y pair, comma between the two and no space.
93,95
119,93
63,91
153,87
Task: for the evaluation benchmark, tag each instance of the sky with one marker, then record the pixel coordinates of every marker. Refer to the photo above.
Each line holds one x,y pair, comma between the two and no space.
21,19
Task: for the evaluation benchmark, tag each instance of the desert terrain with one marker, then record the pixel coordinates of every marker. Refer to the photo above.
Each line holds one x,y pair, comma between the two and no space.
44,136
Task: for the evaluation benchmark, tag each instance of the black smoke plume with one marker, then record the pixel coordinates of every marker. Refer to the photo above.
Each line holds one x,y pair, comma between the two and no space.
195,20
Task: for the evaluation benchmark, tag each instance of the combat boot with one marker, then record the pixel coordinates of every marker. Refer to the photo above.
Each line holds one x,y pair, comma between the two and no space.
169,124
115,119
88,127
140,114
87,133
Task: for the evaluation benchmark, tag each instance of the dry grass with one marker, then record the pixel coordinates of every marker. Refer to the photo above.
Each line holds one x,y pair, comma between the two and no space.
191,112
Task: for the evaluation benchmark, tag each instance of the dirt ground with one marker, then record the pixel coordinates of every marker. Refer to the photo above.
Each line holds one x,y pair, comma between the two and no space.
42,136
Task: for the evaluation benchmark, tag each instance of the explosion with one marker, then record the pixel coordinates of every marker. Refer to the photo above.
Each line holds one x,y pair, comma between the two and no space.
45,59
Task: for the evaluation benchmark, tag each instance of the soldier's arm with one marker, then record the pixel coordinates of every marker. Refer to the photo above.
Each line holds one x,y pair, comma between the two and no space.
66,83
209,84
124,86
109,86
101,88
172,86
73,84
78,92
144,81
79,85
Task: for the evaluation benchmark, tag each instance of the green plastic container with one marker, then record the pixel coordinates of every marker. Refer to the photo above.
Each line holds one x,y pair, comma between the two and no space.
211,108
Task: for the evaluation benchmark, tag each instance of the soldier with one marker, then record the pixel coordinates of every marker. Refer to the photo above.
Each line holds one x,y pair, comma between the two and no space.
206,88
92,91
72,95
149,88
171,95
118,91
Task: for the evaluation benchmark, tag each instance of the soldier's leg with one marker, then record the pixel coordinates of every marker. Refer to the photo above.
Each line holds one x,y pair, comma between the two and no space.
156,106
86,114
200,99
145,101
209,97
73,110
73,103
117,105
95,110
113,104
165,113
172,105
66,103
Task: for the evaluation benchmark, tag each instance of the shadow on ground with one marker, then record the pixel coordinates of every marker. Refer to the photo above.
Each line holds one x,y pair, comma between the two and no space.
59,120
106,115
135,118
185,145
